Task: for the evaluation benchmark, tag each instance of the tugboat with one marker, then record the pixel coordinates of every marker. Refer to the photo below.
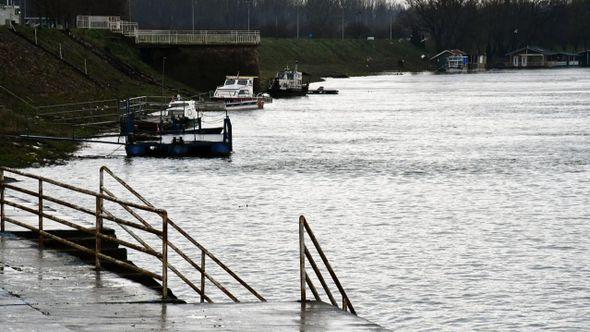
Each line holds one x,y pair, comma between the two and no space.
288,83
236,94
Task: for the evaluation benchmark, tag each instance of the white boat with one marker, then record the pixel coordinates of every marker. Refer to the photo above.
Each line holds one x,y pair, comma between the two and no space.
237,94
179,108
182,108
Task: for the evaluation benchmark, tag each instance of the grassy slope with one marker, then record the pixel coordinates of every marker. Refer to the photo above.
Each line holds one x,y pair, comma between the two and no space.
329,57
41,79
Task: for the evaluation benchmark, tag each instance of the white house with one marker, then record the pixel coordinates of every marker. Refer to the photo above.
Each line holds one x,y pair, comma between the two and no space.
9,13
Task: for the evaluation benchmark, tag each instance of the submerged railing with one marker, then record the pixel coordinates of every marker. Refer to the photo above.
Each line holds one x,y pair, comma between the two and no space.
305,255
141,212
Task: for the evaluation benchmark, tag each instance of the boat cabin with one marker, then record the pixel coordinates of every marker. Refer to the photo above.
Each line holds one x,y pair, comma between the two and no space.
289,79
288,83
236,87
182,108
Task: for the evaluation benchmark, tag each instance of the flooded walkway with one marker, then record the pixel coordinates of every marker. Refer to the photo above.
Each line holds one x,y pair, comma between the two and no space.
51,290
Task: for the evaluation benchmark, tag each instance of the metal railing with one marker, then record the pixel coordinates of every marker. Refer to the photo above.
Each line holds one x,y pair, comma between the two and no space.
183,234
199,37
305,255
159,234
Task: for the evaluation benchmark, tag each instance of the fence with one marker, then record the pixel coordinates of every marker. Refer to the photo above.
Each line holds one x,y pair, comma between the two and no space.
154,224
305,255
168,37
199,37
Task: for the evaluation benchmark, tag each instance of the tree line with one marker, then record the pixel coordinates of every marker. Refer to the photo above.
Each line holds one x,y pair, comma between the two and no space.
491,27
495,27
274,18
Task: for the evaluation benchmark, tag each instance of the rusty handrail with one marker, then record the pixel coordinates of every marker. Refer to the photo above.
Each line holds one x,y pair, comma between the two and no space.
83,191
304,277
100,215
204,251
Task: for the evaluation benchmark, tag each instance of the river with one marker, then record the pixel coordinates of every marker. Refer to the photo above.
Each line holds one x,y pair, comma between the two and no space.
453,202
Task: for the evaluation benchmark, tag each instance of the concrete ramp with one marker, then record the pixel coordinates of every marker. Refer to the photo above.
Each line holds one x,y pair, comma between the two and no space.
43,289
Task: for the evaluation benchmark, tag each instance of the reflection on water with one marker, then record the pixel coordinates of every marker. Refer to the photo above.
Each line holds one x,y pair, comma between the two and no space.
443,201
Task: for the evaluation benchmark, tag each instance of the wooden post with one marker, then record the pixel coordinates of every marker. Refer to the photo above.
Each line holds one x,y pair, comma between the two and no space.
302,259
40,209
98,230
36,41
164,256
2,201
203,276
85,67
61,57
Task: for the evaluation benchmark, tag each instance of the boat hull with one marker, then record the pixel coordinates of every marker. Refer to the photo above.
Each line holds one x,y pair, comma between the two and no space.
322,92
242,104
172,150
276,92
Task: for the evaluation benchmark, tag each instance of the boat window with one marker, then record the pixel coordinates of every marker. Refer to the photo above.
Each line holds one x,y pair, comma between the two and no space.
242,82
230,82
243,92
290,76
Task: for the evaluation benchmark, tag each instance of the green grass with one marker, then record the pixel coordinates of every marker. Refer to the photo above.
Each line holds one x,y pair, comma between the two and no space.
21,153
332,57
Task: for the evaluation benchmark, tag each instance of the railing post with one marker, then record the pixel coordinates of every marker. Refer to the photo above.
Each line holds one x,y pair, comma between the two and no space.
40,209
2,201
99,206
203,276
164,256
302,259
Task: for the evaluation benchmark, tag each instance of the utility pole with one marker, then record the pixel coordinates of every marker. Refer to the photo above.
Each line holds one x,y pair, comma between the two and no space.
298,19
129,8
342,24
342,19
391,28
163,67
248,4
193,5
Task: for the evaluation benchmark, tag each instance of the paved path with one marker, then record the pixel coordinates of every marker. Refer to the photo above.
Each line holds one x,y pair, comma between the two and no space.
46,290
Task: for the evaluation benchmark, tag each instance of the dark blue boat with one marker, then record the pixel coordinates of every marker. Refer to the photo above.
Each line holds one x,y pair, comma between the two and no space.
196,142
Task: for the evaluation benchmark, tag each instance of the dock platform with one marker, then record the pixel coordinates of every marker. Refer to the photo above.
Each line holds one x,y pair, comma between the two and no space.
51,290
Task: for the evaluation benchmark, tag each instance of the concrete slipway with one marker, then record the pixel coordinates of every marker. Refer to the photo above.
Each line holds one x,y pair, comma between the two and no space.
50,290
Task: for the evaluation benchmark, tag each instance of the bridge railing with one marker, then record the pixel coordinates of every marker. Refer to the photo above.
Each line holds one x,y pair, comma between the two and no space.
198,37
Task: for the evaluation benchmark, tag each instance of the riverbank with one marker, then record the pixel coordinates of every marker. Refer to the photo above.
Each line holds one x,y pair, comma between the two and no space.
52,67
34,75
337,58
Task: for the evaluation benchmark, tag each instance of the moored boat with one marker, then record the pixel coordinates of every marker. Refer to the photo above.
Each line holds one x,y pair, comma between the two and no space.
236,94
175,143
288,83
